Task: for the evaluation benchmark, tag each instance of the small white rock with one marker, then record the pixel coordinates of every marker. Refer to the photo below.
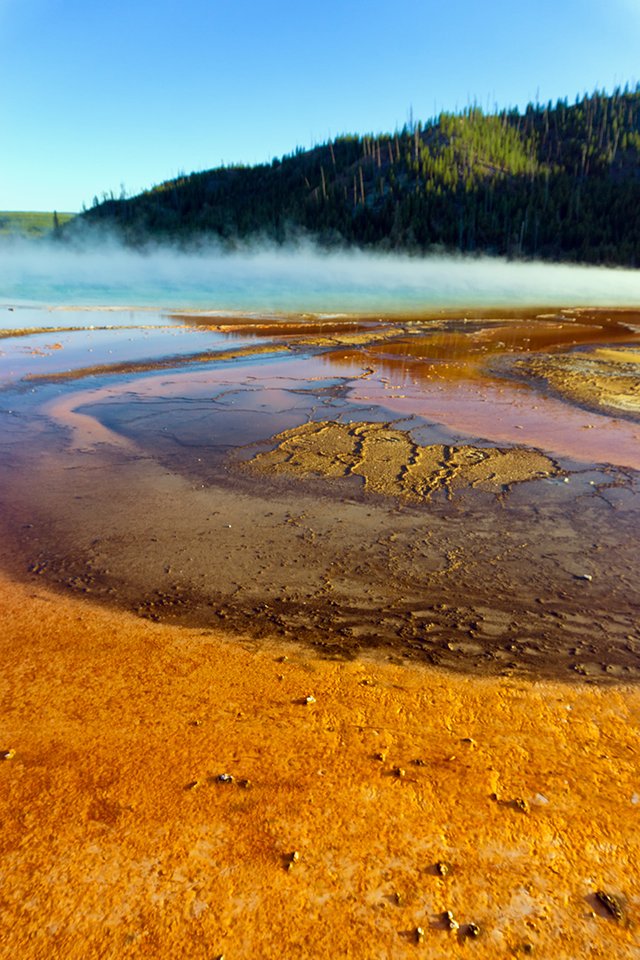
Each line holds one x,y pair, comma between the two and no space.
539,800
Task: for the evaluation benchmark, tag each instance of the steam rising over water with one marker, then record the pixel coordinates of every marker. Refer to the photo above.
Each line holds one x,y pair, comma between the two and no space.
300,277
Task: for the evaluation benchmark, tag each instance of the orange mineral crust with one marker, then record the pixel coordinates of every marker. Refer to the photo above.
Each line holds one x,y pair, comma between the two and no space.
165,792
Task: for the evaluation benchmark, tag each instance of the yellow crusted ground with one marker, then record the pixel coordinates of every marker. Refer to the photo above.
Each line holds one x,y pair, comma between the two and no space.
391,463
606,379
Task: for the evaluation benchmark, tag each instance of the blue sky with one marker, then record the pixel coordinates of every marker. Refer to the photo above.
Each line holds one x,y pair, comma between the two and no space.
99,95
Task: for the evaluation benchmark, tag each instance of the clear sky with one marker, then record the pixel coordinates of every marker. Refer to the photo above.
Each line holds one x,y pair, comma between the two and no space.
95,95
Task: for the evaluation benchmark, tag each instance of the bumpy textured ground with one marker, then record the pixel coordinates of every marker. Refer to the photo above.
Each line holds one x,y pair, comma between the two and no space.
392,464
368,798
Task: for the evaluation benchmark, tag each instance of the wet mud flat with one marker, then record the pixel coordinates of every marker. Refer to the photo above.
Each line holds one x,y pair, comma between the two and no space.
358,484
475,586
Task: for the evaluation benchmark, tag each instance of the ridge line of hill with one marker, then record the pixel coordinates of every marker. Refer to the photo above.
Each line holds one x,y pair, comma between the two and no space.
555,182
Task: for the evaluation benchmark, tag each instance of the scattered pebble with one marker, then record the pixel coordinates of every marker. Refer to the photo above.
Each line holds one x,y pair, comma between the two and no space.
291,859
539,800
611,904
192,785
244,783
450,920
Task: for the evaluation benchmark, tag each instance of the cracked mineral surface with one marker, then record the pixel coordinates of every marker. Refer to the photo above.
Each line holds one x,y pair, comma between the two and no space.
391,463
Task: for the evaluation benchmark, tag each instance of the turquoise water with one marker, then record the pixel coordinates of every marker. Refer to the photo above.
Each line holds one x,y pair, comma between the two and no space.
301,279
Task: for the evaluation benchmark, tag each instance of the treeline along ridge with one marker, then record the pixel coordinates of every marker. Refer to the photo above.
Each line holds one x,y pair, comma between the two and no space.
554,182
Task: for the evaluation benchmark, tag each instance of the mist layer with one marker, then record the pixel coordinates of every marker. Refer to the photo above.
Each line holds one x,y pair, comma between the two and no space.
297,277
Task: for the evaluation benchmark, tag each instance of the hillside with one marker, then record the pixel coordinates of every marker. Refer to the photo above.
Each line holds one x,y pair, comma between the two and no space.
31,224
559,182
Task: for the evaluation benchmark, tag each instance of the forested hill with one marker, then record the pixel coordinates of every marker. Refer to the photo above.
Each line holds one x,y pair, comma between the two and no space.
556,182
